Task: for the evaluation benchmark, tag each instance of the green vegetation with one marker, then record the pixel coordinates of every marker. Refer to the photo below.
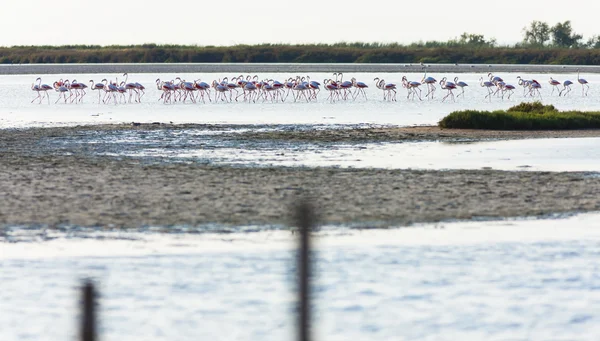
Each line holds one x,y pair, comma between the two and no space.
428,52
541,44
525,116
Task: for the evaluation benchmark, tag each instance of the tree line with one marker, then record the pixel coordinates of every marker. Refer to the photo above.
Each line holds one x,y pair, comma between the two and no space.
541,44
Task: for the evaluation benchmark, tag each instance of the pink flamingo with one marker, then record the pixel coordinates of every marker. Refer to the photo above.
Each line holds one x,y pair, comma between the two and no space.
412,87
39,88
98,87
387,89
566,86
140,88
203,89
488,85
583,83
131,88
332,87
508,88
447,86
36,88
525,84
360,88
430,81
59,86
535,87
79,90
462,85
167,89
554,83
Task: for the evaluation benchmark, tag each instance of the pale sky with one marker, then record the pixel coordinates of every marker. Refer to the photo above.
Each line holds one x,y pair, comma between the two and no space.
219,22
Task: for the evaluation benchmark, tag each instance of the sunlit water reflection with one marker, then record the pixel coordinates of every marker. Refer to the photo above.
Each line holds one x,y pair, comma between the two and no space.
511,280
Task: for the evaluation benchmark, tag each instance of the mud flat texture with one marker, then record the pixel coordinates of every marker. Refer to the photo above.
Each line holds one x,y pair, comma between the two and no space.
21,138
417,133
68,190
37,69
55,188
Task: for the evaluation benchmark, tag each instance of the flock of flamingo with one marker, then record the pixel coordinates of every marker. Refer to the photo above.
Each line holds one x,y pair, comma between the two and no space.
251,89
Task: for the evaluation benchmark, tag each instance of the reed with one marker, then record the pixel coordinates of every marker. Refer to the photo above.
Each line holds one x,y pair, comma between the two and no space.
429,52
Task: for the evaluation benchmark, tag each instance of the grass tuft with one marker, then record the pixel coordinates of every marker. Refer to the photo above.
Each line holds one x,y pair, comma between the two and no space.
524,116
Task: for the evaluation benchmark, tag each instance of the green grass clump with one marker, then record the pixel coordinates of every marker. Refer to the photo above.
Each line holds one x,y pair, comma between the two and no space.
536,107
524,116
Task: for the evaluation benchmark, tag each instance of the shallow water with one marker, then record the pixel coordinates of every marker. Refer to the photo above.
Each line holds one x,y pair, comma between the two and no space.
199,146
226,147
504,280
15,97
508,280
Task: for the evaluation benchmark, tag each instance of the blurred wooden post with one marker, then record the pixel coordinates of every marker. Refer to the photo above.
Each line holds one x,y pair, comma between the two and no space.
88,316
305,222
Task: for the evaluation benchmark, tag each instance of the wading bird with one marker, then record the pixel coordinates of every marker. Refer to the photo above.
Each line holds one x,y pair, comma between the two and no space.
447,86
430,81
460,84
566,86
554,83
488,85
583,83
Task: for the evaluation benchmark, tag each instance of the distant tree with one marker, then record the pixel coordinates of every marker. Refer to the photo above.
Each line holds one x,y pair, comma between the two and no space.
563,36
537,34
593,42
476,40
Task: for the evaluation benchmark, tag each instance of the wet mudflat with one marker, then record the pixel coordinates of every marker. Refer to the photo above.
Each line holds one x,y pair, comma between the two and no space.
52,183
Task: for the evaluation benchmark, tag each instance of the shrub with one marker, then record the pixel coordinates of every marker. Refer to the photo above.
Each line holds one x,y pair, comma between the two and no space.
525,116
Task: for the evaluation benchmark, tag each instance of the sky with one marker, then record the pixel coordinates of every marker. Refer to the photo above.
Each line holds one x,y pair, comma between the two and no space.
219,22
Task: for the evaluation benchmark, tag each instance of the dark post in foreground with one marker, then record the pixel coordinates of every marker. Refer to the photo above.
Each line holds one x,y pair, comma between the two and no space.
305,221
88,314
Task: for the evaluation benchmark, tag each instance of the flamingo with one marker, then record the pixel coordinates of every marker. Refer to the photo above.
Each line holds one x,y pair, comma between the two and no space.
41,87
488,85
554,83
507,88
59,86
412,87
131,88
447,86
495,79
583,83
360,88
78,87
332,87
460,84
343,85
535,87
249,88
220,90
313,86
430,81
566,86
525,84
98,86
203,89
167,88
113,89
140,88
498,82
188,88
36,88
389,87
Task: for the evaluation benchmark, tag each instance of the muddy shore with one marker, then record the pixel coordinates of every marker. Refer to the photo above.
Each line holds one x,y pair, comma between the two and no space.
26,136
54,188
